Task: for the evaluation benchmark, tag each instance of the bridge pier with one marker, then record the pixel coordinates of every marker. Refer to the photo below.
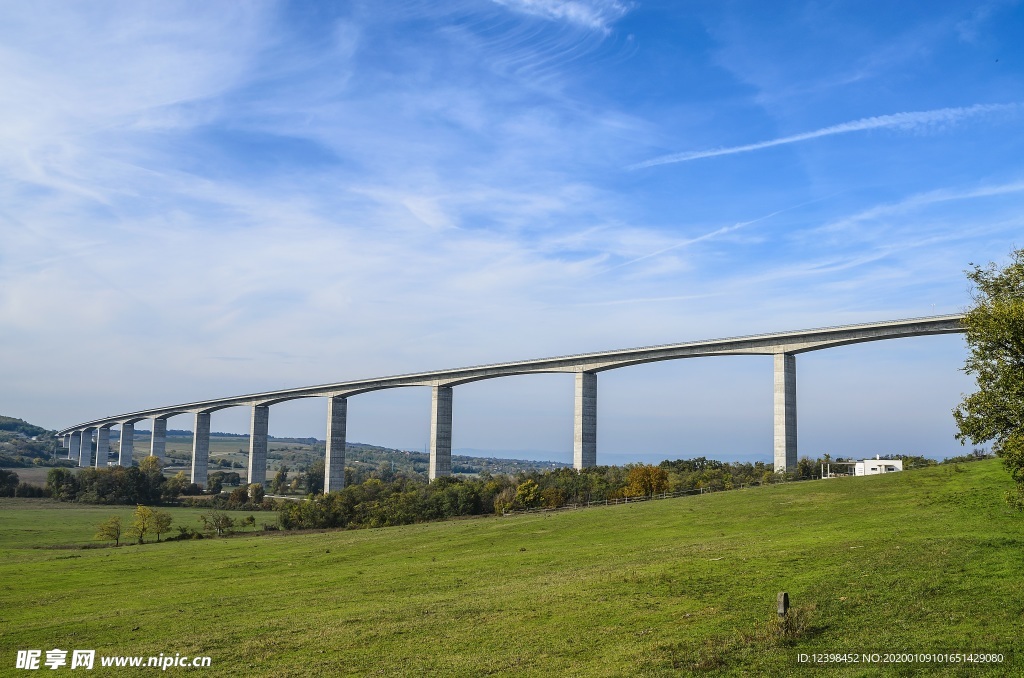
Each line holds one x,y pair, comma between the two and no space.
785,412
85,453
127,445
259,425
584,439
158,443
74,445
102,446
440,432
334,462
201,448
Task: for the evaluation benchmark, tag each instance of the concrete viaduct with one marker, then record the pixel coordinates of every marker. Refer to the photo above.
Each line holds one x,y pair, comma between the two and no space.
783,346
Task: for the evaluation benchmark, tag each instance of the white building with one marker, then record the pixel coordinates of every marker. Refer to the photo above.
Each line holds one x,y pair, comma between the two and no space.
870,467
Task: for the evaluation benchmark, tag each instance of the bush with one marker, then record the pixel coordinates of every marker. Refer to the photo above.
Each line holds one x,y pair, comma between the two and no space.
29,490
186,533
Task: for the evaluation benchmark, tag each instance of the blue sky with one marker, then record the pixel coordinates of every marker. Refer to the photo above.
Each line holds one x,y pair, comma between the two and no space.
205,199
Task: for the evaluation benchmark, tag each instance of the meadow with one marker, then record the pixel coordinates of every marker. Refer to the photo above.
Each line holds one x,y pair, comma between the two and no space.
920,561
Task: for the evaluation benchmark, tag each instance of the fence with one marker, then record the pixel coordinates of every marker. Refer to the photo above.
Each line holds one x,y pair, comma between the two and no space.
626,500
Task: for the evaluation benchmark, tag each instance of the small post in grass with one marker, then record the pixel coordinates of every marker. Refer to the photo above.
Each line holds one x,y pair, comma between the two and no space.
783,602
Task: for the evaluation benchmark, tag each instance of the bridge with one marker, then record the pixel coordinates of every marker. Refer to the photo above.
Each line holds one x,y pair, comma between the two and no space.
783,346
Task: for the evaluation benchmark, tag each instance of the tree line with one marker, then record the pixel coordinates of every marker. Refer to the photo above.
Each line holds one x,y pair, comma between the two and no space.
142,484
397,499
146,521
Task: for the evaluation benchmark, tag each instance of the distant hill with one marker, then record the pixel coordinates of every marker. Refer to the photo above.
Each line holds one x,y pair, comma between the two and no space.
369,456
182,433
20,426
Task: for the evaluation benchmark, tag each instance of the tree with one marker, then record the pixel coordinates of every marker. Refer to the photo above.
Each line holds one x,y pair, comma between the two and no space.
161,523
280,483
527,494
176,486
645,480
804,469
314,477
142,522
504,500
217,522
151,464
62,483
215,483
995,335
8,483
110,529
238,497
256,493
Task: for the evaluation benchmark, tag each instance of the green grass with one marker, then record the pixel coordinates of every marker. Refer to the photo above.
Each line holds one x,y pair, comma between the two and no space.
45,524
918,561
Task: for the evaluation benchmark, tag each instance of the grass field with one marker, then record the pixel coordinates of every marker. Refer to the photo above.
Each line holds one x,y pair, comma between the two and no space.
921,561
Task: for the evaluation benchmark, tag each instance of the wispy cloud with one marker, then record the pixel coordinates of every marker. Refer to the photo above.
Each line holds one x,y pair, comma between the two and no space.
921,200
902,121
709,236
593,14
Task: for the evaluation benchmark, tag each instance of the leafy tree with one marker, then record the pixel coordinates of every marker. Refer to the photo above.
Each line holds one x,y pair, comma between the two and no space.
110,529
8,483
552,497
217,522
176,486
161,523
256,493
142,522
228,477
528,494
504,500
215,483
804,469
62,483
314,477
239,496
995,335
280,483
644,480
150,464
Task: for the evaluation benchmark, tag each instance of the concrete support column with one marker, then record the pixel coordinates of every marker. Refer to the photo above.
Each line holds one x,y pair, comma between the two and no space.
85,455
258,427
334,464
584,439
201,448
75,445
441,432
102,446
785,412
127,447
65,441
158,443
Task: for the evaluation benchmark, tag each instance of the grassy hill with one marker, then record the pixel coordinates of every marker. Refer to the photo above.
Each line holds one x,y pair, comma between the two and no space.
921,561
